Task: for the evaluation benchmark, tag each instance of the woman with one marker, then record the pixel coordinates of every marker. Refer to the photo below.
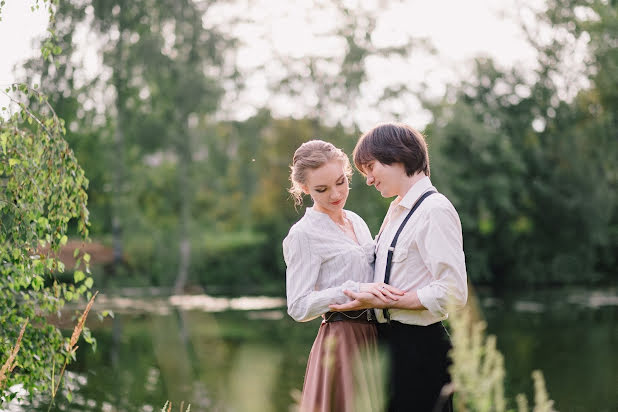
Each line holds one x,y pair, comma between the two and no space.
326,252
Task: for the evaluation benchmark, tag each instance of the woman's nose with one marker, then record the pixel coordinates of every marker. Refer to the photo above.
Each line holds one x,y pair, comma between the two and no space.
336,194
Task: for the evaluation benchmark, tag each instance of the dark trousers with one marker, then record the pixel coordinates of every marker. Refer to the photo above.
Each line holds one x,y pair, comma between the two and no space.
419,365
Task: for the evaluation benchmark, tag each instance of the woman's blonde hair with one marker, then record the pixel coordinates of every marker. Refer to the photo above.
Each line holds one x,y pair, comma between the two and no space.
310,156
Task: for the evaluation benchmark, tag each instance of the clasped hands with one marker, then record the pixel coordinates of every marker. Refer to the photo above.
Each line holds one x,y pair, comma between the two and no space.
370,295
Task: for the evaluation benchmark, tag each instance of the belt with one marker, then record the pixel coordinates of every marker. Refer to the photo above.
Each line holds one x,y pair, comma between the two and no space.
362,316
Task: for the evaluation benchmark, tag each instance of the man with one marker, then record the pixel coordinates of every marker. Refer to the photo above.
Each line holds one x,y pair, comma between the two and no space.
426,261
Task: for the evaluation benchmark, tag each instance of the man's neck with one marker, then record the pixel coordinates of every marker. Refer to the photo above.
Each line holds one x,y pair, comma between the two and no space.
407,182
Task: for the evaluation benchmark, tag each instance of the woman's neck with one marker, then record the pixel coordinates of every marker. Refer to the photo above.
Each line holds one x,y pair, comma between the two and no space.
337,215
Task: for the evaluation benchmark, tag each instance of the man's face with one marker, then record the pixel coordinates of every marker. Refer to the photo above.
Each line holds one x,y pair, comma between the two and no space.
386,179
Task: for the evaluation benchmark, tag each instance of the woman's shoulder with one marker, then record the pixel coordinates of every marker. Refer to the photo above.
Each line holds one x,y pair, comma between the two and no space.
300,229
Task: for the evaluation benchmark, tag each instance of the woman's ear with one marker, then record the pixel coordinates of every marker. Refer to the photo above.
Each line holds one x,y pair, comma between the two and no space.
305,189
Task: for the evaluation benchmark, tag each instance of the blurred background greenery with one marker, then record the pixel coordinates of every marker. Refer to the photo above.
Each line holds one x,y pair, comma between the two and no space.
187,195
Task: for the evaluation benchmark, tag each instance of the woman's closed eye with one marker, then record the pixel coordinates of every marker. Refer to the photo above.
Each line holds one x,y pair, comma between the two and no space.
322,190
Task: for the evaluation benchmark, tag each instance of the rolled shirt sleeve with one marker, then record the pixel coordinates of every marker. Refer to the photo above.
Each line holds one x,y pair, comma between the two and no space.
440,244
303,268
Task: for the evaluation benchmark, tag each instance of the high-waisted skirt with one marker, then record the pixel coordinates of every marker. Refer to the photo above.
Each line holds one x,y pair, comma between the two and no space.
343,371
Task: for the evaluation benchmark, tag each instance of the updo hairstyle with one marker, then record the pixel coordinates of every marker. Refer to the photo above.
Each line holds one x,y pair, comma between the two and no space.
310,156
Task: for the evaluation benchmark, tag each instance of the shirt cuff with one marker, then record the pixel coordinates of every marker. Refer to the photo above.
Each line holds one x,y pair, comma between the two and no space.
350,285
429,301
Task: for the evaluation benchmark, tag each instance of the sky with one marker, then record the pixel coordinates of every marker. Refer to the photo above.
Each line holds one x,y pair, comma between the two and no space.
458,30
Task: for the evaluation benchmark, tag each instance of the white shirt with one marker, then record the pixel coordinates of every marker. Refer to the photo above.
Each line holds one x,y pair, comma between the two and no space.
322,262
428,256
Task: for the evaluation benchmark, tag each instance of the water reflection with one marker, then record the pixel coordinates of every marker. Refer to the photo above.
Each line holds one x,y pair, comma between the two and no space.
206,303
246,354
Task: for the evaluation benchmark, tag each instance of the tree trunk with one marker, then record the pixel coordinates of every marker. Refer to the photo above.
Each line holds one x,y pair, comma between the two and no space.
184,178
118,169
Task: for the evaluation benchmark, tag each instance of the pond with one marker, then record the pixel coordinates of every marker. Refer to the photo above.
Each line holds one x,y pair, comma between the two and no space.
246,354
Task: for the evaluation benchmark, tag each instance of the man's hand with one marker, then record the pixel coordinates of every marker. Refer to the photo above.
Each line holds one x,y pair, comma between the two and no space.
382,291
366,300
362,300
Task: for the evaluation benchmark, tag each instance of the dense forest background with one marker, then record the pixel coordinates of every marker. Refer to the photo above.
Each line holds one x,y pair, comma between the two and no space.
183,196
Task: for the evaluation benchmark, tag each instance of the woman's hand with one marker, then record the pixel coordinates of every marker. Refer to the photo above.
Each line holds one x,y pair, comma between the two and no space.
382,291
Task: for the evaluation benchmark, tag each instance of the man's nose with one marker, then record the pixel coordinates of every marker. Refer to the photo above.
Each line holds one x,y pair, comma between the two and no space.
370,180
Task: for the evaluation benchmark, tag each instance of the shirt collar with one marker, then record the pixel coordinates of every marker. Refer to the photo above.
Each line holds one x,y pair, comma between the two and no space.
314,214
415,192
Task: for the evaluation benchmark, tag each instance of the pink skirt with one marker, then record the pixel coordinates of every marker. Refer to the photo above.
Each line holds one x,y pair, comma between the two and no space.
343,371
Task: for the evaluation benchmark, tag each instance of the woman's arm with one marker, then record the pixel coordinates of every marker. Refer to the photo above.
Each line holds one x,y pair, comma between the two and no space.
303,267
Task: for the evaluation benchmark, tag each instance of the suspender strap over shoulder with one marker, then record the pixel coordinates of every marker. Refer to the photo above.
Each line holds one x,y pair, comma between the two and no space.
391,249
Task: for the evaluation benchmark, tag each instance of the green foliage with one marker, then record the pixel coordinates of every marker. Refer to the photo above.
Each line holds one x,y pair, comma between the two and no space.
43,191
478,370
531,172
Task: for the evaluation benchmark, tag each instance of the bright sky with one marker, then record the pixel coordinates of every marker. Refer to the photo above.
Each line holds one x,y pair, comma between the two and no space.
458,29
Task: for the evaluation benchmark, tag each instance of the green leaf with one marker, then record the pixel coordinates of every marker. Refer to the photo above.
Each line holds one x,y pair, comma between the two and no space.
13,162
3,138
88,282
75,252
107,313
37,283
86,257
63,240
78,276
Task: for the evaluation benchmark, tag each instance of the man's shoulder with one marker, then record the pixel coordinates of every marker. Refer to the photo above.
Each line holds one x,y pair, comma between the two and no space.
438,200
438,203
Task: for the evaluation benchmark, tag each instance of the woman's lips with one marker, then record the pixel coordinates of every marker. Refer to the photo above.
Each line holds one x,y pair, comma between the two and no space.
337,202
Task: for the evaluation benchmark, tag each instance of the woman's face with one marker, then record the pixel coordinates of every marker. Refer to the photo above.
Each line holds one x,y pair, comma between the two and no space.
328,186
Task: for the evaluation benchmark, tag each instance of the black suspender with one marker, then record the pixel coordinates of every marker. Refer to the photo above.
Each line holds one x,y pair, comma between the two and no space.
391,249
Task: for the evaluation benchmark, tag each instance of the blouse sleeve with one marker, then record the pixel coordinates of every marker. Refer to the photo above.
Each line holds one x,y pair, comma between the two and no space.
303,267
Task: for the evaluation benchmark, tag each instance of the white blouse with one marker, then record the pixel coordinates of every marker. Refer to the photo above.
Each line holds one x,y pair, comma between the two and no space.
322,262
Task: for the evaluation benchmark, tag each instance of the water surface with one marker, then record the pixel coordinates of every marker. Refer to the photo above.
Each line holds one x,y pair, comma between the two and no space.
246,354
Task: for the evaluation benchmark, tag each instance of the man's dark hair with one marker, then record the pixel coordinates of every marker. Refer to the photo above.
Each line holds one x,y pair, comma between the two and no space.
393,143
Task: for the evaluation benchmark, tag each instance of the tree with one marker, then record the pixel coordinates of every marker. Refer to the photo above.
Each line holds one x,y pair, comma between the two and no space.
529,164
155,67
43,193
42,198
